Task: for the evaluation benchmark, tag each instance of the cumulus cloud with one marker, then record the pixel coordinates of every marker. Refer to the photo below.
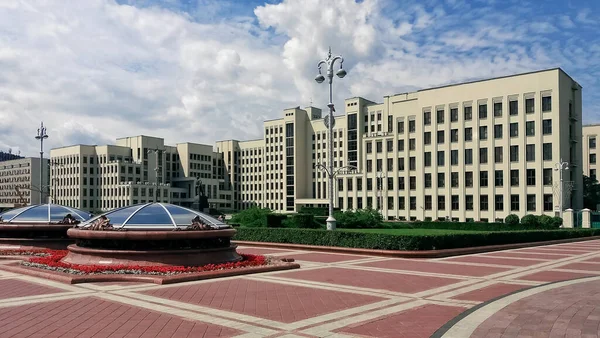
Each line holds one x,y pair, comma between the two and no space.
99,69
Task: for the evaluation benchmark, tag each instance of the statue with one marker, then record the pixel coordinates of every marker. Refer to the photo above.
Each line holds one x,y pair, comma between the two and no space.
101,223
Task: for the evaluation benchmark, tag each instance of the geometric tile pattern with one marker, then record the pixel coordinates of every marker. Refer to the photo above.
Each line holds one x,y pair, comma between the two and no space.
332,295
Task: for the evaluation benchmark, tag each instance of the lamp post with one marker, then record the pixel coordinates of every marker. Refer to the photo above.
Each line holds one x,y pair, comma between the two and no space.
329,62
380,177
156,170
41,136
560,166
199,192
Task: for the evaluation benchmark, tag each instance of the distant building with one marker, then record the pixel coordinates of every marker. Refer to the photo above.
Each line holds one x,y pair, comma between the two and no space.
100,178
20,182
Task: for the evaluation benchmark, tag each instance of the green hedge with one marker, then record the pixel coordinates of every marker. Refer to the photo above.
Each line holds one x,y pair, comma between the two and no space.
316,211
403,242
473,226
274,220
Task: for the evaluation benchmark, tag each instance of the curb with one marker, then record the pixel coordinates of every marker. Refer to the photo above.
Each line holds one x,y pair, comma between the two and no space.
413,254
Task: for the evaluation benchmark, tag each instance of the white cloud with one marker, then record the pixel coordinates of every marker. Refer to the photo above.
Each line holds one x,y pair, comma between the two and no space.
97,70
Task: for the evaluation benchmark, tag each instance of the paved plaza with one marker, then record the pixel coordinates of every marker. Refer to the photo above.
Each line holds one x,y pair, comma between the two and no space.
332,295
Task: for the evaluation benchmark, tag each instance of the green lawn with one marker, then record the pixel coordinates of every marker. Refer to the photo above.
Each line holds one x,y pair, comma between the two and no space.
413,232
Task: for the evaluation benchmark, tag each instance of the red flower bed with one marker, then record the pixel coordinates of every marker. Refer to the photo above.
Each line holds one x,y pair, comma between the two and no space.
52,261
26,252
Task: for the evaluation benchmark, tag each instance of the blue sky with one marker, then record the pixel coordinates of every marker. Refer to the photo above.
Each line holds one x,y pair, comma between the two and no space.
204,70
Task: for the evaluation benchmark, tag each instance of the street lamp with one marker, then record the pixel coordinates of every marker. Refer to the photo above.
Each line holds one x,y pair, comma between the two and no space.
380,177
329,122
156,170
41,136
560,166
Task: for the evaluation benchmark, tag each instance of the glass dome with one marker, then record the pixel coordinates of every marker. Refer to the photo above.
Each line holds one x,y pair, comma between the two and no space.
155,216
43,213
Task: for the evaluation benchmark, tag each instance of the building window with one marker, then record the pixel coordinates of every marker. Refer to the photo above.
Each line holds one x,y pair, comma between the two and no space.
454,135
483,155
547,202
469,202
440,116
413,203
548,176
428,202
482,111
468,156
427,159
499,178
593,174
369,147
530,177
412,163
390,183
427,137
483,203
593,158
412,144
497,131
530,128
547,127
497,109
530,153
400,163
514,202
441,203
401,203
483,135
529,106
483,178
453,114
427,180
513,107
468,113
401,183
468,134
427,118
379,145
547,151
514,129
412,182
514,153
530,202
400,127
499,199
400,145
441,180
498,158
592,143
454,157
369,184
412,126
514,178
440,158
469,179
455,202
454,180
546,103
440,136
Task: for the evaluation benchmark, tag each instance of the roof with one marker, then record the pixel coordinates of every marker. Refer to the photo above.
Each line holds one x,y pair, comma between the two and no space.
43,213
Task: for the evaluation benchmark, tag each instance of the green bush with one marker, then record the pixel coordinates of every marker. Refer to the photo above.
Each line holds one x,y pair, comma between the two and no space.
316,211
530,220
305,221
404,242
557,221
468,226
274,220
511,219
545,221
252,217
362,218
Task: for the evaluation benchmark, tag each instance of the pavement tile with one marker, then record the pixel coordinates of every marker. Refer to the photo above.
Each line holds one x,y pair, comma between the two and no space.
489,292
555,276
326,258
12,288
515,262
436,267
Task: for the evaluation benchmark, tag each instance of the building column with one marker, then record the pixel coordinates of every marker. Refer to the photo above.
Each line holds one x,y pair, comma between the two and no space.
586,221
568,219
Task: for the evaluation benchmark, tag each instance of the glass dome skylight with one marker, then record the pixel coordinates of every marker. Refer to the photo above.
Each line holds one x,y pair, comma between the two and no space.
43,213
155,216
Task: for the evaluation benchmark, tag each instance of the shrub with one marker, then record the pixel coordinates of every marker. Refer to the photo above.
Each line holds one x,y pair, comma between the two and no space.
304,221
545,221
316,211
405,242
511,219
274,220
557,221
427,219
252,217
362,218
530,220
474,226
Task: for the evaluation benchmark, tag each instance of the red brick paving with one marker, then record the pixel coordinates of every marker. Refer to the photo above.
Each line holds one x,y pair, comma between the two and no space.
588,267
326,258
570,311
495,261
93,317
436,267
260,251
554,276
420,322
274,301
396,282
526,255
11,288
554,251
490,292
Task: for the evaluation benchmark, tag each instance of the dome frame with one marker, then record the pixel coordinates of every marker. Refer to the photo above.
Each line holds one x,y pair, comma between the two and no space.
79,215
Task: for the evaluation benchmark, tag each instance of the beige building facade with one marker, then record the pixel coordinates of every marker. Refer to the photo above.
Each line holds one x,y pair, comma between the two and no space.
20,182
591,136
137,170
480,150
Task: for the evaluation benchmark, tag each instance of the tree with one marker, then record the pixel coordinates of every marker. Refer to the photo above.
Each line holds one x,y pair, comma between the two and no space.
591,193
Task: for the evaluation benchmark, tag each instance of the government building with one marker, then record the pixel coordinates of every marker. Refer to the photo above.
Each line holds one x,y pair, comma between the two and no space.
479,150
20,181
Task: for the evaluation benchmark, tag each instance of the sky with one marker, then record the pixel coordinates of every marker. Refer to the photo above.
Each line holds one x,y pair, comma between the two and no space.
208,70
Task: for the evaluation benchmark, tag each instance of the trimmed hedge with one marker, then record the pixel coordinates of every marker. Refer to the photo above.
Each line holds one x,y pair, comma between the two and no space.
473,226
305,221
275,220
316,211
404,242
